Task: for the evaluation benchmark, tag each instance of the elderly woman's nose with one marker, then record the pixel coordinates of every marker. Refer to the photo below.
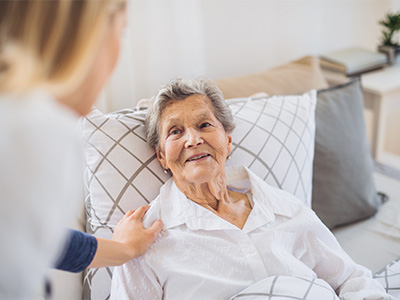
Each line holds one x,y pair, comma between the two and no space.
193,138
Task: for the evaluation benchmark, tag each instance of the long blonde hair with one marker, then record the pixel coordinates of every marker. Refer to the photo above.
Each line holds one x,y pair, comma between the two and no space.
49,43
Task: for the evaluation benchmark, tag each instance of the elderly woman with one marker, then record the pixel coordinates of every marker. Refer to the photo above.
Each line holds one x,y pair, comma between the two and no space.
224,230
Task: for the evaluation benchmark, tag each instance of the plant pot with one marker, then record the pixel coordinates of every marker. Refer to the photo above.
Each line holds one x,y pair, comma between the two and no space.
391,52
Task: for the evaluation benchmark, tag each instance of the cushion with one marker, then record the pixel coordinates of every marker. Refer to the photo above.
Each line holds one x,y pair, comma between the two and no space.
389,277
274,138
284,287
293,78
122,173
343,186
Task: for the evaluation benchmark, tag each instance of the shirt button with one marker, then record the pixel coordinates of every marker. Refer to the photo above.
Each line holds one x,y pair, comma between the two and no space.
249,250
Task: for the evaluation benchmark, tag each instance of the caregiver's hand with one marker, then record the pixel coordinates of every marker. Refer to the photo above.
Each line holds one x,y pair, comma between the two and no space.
132,235
130,240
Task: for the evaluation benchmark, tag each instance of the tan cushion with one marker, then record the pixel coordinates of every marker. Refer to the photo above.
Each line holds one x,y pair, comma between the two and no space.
296,77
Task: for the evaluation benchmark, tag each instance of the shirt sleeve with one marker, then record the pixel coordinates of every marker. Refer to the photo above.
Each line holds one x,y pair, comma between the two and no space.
332,264
78,253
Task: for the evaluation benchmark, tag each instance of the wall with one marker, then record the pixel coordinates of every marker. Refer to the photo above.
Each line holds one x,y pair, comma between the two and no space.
267,33
220,38
395,5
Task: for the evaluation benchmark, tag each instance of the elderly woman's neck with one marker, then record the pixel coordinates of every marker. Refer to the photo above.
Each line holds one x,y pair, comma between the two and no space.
213,195
208,194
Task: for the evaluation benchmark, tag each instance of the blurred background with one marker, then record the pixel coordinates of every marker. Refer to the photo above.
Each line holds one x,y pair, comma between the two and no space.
222,38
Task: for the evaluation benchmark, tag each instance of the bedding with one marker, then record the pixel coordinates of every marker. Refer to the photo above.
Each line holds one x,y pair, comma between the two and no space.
375,242
122,173
343,187
389,277
288,287
274,137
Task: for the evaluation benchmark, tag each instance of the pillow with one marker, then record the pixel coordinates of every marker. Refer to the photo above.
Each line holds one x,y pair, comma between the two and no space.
293,78
274,138
343,186
389,277
122,173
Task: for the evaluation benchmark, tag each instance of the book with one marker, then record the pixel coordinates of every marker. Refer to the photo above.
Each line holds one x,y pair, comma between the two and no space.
353,61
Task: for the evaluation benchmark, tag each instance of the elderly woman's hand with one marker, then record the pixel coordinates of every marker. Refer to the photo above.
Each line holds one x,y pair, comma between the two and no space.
130,240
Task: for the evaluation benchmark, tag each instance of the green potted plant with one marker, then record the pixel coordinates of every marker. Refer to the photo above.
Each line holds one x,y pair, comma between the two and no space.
389,46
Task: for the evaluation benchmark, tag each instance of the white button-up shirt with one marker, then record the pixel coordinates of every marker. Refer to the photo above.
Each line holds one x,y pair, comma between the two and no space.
199,255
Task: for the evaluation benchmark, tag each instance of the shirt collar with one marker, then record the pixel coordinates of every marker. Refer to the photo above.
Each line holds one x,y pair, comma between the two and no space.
176,209
276,200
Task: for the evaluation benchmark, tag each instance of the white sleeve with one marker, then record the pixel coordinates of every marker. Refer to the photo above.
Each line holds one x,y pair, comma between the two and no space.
135,280
332,264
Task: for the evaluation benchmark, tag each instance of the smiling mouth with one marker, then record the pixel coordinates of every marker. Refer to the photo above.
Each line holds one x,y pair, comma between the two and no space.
197,157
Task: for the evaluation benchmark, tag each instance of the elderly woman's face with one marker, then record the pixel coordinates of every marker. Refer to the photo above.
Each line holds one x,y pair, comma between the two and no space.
193,142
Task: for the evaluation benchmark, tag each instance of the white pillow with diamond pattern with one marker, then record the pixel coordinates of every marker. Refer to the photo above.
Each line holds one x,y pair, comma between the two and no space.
274,137
389,277
122,173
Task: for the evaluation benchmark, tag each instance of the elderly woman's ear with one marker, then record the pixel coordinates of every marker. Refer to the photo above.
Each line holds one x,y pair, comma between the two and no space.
161,158
229,143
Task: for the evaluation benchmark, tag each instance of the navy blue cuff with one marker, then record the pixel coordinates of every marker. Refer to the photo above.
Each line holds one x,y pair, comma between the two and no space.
78,253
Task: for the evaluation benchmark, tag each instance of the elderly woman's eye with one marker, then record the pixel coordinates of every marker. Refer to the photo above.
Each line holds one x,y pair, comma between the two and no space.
174,132
205,124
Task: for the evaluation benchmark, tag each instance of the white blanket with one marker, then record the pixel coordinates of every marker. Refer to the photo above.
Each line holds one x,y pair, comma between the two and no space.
287,287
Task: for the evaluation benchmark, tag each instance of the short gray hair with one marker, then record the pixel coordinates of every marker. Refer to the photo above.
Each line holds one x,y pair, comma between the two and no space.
180,89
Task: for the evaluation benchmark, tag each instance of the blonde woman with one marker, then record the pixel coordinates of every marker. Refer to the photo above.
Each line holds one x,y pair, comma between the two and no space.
55,56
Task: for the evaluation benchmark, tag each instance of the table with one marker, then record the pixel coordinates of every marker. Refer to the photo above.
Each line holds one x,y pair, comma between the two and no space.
381,91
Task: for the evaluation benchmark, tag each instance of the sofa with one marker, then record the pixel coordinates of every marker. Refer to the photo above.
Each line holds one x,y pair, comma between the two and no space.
318,151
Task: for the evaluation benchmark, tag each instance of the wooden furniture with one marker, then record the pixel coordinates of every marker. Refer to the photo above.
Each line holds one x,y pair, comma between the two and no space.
382,97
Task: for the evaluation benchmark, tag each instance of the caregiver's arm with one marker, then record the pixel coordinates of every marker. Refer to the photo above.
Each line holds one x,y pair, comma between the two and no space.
130,240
